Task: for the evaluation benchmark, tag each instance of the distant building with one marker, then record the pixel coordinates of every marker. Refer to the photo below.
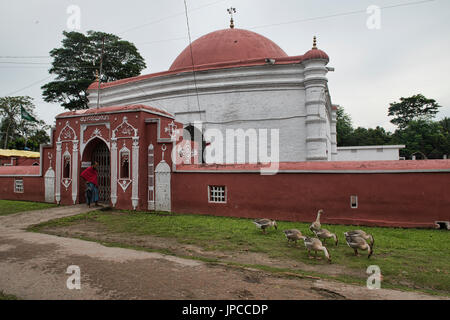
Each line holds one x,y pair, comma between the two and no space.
368,153
19,158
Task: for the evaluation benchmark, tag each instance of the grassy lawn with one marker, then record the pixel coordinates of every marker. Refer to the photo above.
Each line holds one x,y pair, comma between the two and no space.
409,259
4,296
9,206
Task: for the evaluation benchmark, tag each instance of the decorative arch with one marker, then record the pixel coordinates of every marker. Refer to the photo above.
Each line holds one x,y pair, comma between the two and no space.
67,133
124,130
92,139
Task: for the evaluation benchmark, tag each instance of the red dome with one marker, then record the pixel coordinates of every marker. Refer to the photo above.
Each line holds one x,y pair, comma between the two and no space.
227,45
315,54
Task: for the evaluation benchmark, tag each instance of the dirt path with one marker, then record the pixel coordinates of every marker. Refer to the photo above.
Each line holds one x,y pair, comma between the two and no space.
33,266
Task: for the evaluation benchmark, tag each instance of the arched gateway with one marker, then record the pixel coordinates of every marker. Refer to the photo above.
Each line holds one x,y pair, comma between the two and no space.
102,155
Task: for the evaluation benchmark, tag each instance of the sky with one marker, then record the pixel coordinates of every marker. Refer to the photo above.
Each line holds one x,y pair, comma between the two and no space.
378,55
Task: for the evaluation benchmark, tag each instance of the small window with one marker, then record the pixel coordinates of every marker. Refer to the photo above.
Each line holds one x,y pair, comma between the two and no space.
18,186
124,165
380,150
354,202
217,194
66,167
353,150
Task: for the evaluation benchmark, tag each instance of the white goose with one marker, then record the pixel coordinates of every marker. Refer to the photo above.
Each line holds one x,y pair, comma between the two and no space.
316,245
316,224
356,242
263,224
325,234
293,235
362,234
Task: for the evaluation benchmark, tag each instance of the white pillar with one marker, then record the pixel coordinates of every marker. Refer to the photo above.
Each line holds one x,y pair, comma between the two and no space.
316,113
135,185
334,152
113,171
74,171
58,172
50,185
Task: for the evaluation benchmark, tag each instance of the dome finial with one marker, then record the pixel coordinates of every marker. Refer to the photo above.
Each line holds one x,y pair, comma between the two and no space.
96,75
314,43
231,10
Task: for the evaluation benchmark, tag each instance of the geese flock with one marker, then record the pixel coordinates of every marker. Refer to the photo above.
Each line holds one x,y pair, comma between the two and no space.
355,239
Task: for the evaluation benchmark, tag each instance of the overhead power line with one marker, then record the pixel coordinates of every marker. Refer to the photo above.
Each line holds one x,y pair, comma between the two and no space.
341,14
28,86
25,57
16,62
169,17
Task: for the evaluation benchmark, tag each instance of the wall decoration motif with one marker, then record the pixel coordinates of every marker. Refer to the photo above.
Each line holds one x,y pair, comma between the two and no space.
151,177
67,133
124,167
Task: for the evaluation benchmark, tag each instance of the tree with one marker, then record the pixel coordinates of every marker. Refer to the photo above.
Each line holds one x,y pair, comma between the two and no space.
416,107
344,127
369,137
18,132
423,137
348,136
76,62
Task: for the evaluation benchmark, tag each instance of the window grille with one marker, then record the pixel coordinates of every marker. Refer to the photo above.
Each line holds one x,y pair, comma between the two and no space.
18,185
217,194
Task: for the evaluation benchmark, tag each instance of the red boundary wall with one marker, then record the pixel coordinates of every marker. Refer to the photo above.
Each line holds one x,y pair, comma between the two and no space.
33,189
413,195
384,199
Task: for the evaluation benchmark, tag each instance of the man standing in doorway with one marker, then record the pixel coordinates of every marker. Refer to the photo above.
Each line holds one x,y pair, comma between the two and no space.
90,175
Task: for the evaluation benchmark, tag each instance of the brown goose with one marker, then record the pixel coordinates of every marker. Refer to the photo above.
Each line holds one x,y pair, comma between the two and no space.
325,234
293,235
316,224
316,245
362,234
263,224
356,243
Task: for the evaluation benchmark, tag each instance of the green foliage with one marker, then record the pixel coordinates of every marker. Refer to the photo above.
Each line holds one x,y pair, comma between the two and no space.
76,62
344,127
424,138
4,296
369,137
416,107
348,136
16,132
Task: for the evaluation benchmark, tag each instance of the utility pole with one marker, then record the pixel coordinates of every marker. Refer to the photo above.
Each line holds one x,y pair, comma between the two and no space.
100,77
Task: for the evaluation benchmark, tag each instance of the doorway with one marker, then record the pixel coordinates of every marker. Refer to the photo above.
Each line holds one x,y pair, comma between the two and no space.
102,155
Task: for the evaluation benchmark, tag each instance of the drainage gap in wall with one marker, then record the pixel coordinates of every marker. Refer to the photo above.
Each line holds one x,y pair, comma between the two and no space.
442,225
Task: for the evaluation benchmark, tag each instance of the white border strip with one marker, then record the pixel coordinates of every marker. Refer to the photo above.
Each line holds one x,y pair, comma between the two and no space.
317,171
